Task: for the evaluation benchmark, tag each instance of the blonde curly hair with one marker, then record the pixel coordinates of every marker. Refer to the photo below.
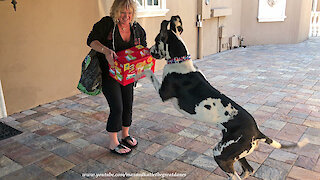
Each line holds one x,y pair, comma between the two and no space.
119,5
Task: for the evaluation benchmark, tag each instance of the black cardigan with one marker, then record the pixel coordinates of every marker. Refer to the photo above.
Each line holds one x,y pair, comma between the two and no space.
102,31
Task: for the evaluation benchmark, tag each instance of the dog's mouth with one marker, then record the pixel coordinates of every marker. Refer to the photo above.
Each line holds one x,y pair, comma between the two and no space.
180,29
155,55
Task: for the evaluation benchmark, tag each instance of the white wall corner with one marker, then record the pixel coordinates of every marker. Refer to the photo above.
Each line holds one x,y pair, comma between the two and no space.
3,110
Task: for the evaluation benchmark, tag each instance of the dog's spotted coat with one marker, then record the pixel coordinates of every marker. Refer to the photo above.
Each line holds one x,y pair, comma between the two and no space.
192,95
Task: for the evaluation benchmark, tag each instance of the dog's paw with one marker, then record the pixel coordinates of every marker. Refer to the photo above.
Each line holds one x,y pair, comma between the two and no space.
246,174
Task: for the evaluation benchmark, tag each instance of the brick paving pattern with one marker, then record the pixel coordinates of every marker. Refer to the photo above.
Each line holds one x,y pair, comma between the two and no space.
278,84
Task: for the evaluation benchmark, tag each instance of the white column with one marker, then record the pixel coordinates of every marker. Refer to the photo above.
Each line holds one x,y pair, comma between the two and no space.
3,110
163,4
314,5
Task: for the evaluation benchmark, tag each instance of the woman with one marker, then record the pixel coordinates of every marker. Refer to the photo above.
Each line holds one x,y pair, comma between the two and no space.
112,34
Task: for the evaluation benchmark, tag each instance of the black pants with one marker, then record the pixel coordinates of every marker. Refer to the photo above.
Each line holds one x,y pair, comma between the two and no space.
120,99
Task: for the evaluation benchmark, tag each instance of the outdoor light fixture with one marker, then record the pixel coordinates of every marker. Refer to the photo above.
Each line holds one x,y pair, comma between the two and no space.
14,2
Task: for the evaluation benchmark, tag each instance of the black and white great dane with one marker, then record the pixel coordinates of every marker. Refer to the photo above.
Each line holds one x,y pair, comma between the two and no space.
194,97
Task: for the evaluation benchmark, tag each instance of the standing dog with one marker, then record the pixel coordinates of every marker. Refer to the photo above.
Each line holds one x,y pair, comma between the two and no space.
193,96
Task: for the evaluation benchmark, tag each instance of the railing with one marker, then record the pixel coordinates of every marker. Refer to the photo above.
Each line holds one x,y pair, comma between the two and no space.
315,24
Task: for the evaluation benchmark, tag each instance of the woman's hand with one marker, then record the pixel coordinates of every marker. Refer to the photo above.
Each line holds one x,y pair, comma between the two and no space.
110,56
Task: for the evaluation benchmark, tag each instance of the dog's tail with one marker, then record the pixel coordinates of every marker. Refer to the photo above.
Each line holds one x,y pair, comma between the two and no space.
277,145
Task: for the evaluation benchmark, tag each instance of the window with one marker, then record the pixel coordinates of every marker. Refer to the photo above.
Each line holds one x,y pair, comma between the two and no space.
272,10
151,8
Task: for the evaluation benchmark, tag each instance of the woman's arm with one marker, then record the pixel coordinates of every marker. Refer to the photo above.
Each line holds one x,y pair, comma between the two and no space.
109,54
98,34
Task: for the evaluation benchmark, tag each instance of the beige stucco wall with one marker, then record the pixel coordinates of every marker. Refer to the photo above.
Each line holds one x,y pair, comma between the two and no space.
292,30
231,25
304,20
42,45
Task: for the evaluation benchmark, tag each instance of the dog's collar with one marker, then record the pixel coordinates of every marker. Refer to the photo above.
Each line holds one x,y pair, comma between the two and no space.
178,59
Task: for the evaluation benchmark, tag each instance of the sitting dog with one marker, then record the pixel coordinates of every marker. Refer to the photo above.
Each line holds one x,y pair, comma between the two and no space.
193,96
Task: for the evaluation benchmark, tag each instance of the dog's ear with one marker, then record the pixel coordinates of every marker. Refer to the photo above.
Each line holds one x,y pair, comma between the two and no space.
164,29
176,24
164,26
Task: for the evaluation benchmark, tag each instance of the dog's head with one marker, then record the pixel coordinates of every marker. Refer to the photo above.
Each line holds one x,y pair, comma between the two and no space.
168,43
176,24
